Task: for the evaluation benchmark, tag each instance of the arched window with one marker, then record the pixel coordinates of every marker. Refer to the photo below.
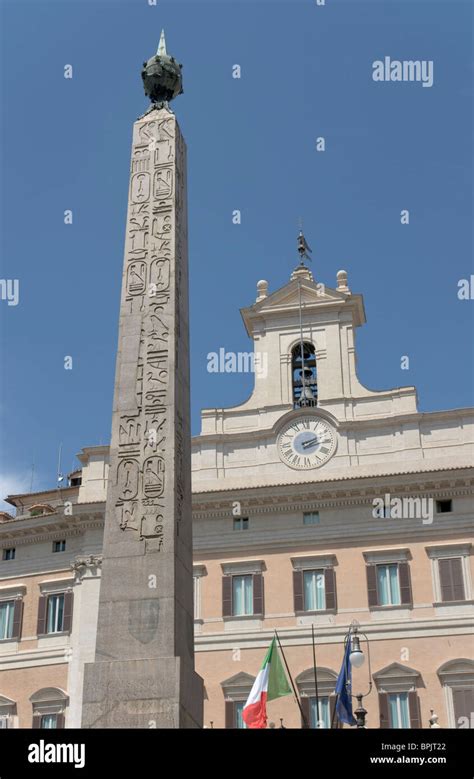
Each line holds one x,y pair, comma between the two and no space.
304,376
318,710
236,691
39,509
49,708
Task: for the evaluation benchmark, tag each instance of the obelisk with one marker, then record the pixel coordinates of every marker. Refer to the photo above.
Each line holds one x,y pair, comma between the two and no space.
143,675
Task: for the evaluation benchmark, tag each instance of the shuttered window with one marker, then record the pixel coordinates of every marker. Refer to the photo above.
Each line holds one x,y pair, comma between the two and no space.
233,714
451,579
242,595
326,717
399,710
389,584
463,702
49,721
55,613
314,590
7,609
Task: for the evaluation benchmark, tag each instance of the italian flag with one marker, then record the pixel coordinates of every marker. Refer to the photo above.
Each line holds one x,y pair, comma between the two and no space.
271,683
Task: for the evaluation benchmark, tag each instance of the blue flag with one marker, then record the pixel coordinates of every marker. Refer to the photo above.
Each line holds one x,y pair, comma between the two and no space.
344,689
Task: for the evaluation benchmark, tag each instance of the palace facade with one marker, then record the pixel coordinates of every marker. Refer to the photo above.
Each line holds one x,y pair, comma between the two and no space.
317,504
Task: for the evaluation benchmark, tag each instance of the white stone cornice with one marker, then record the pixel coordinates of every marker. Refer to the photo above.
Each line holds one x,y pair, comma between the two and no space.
66,528
242,567
457,481
56,585
389,555
435,551
13,592
304,562
333,634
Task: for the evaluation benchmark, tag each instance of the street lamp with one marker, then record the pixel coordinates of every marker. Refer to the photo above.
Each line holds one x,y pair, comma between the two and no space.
356,656
357,659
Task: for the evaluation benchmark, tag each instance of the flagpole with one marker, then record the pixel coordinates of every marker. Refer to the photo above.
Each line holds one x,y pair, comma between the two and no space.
315,676
292,683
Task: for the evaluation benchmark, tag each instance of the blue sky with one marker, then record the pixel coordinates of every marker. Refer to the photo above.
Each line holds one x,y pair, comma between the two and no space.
306,72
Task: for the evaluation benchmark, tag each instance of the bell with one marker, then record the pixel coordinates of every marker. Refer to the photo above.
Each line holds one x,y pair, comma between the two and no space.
307,394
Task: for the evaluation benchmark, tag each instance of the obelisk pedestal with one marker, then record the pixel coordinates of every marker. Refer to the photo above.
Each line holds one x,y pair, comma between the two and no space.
143,675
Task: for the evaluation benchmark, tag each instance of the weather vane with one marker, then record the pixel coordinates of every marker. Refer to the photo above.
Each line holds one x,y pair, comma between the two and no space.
303,247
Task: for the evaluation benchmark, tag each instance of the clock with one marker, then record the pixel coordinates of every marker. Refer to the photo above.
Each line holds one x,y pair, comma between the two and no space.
306,442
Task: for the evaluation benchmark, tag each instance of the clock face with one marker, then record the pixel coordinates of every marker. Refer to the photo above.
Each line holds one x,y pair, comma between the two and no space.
306,442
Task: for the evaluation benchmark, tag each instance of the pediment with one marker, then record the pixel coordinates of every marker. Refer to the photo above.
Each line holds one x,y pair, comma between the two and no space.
323,675
396,670
313,293
284,302
239,680
459,666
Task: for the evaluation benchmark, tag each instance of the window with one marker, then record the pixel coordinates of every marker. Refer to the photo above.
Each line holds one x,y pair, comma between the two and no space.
319,714
399,704
236,692
304,378
9,554
241,523
242,595
49,708
8,713
49,721
398,710
7,610
451,579
311,518
388,585
55,614
450,565
242,589
59,546
388,581
314,590
238,709
314,583
444,506
463,704
457,679
75,481
40,509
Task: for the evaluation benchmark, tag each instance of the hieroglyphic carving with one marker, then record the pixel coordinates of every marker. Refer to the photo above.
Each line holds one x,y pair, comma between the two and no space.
147,439
140,187
163,183
128,474
136,278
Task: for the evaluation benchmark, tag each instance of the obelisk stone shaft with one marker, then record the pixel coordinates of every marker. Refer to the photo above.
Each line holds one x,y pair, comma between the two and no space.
143,674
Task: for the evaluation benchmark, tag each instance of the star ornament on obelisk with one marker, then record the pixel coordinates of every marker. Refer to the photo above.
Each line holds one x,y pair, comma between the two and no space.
143,674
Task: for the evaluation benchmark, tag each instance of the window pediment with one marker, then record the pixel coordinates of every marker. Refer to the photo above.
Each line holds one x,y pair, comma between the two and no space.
397,678
238,686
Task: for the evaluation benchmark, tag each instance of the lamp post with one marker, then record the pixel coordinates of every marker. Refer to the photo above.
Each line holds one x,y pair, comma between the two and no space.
357,660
